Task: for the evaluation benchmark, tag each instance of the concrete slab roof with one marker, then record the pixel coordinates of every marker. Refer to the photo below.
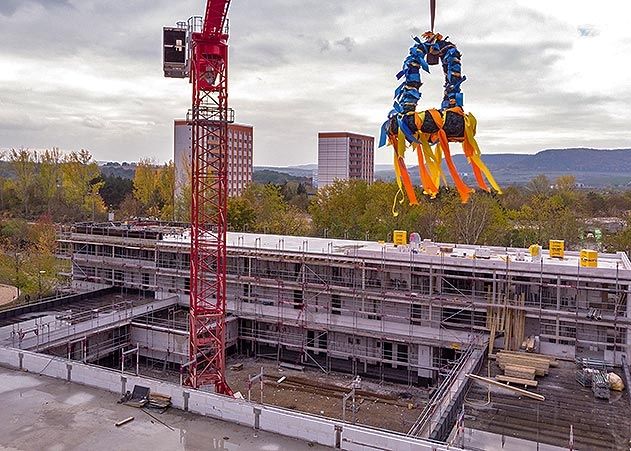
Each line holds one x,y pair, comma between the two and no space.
44,413
427,251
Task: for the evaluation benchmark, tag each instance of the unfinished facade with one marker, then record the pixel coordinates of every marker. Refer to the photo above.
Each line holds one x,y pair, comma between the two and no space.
400,313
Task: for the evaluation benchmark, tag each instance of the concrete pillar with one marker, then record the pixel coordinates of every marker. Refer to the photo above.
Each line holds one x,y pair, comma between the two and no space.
186,395
338,436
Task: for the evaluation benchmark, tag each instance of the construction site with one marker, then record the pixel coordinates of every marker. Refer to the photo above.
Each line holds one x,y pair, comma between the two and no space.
296,342
429,341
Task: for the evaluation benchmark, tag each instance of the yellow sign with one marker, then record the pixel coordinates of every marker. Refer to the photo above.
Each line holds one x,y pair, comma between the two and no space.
557,248
589,258
400,237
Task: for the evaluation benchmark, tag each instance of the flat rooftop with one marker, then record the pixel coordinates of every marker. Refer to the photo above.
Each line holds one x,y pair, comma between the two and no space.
64,315
427,251
45,413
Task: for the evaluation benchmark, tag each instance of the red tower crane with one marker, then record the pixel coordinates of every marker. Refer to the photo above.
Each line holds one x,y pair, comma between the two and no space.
199,50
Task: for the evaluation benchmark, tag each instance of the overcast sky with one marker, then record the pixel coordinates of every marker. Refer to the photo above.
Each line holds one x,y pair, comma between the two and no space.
88,73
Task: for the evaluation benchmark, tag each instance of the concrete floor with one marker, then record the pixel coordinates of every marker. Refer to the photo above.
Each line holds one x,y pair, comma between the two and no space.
597,424
49,414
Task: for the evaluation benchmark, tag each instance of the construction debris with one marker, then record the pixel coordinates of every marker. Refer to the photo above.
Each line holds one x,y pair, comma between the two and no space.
516,380
142,397
159,401
615,382
593,373
600,385
584,376
139,397
531,344
125,421
331,390
236,367
519,391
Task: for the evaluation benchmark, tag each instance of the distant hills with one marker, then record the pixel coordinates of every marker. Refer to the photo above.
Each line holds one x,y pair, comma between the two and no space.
303,170
592,167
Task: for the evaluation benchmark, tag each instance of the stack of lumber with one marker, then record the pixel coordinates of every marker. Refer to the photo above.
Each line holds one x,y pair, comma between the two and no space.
522,372
159,401
521,368
549,358
540,363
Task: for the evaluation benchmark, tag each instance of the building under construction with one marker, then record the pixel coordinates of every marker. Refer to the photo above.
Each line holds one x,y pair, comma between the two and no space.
387,311
416,319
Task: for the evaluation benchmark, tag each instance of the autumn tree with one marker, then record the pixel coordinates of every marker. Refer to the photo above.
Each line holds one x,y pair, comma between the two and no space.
154,188
262,208
183,190
336,209
81,182
23,163
479,221
50,177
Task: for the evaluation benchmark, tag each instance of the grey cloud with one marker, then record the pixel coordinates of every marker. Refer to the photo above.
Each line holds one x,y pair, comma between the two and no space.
20,122
338,57
324,45
9,7
347,43
93,122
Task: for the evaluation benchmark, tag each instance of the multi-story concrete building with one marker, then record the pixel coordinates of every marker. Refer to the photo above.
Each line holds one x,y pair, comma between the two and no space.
397,312
421,314
344,156
240,156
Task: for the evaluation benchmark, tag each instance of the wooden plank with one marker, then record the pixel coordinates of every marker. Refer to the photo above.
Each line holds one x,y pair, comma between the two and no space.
526,361
516,380
549,358
125,421
541,365
538,371
520,391
521,372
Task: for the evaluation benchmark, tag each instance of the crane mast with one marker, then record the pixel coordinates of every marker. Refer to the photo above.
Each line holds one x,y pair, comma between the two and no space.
206,65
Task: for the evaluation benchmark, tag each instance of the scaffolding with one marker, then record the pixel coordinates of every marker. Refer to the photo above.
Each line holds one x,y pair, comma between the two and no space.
375,314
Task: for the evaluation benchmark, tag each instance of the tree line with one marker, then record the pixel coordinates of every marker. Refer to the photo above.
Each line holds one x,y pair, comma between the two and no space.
539,211
69,187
